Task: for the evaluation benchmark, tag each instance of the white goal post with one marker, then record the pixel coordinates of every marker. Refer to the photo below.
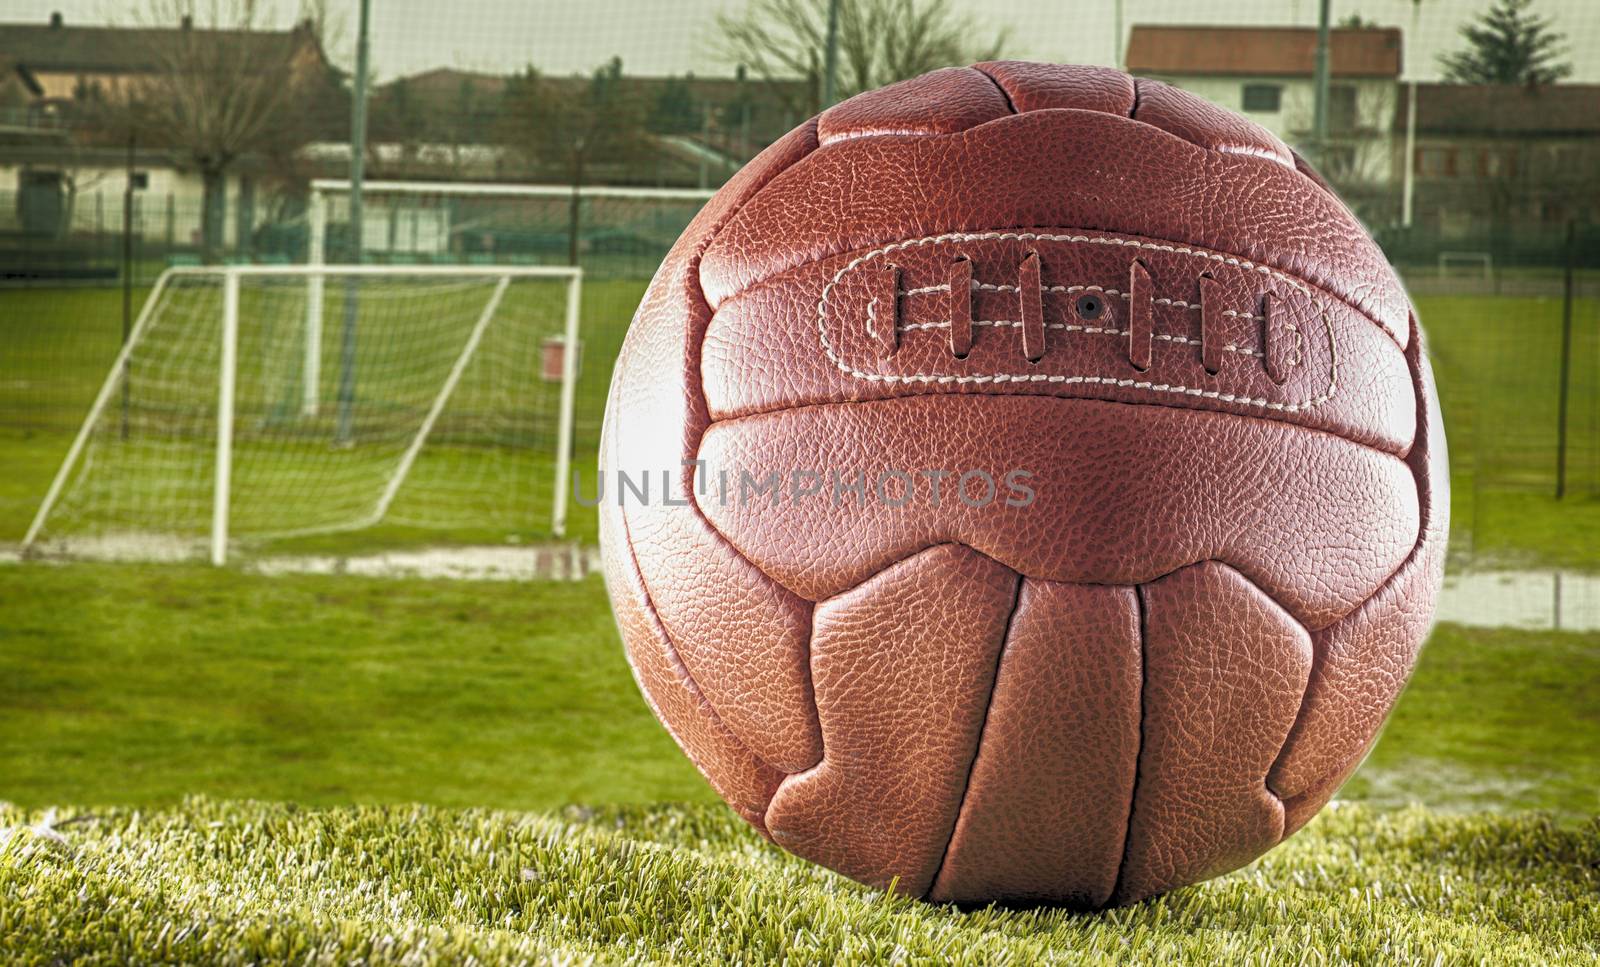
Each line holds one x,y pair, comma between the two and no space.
455,398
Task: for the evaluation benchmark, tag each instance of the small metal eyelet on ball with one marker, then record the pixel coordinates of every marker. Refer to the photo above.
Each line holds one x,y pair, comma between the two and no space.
1091,306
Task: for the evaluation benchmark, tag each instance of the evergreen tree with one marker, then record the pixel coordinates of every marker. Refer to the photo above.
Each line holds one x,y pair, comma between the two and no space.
1508,45
675,111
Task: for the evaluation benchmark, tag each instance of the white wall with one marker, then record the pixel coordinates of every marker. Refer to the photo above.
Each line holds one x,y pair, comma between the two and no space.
97,201
1376,101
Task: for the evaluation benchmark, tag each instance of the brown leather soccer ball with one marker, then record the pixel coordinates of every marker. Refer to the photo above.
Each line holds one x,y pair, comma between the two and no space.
1072,497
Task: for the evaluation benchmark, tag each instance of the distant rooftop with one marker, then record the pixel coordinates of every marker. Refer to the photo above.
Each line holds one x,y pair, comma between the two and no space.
448,80
1262,51
1498,109
58,46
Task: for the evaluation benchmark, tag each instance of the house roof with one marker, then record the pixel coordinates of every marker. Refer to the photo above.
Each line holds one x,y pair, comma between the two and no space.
36,47
1264,51
448,81
1500,109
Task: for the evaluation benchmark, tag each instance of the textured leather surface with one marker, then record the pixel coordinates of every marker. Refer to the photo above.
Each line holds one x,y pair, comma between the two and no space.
1225,669
1130,178
1173,654
1366,658
1124,494
1052,783
952,99
1037,87
900,725
655,382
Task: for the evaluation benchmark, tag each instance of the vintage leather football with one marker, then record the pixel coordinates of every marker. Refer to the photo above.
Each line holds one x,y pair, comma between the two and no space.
1192,495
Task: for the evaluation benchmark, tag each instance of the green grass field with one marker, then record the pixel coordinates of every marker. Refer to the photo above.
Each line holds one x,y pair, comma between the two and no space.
141,685
124,691
1497,364
172,680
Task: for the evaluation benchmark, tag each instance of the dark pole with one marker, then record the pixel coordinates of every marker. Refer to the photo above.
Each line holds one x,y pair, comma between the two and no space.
744,114
830,56
1319,117
1565,389
127,277
352,288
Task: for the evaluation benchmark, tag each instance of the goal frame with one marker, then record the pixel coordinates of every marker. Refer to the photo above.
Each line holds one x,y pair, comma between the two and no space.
228,378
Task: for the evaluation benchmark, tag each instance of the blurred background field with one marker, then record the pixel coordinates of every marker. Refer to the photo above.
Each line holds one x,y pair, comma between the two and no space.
1465,134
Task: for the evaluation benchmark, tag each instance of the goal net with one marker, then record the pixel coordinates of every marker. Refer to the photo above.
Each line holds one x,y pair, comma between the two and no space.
618,234
259,403
1473,265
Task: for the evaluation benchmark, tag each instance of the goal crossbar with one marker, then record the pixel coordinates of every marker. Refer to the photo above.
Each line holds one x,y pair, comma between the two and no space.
320,186
1481,260
230,277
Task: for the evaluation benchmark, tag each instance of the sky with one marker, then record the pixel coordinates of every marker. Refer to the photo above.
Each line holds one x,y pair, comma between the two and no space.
675,36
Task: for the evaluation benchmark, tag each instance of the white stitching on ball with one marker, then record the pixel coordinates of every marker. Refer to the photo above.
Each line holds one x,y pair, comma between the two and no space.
1176,389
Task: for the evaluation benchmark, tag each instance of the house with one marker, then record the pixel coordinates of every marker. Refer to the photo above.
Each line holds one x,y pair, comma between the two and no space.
62,174
1495,164
63,64
1267,74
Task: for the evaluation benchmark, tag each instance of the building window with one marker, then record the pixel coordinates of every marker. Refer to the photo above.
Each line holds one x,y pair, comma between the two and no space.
1497,163
1567,160
1341,108
1436,162
1262,98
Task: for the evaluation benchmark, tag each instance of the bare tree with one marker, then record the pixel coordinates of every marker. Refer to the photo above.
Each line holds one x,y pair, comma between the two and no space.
325,23
215,92
424,119
880,41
